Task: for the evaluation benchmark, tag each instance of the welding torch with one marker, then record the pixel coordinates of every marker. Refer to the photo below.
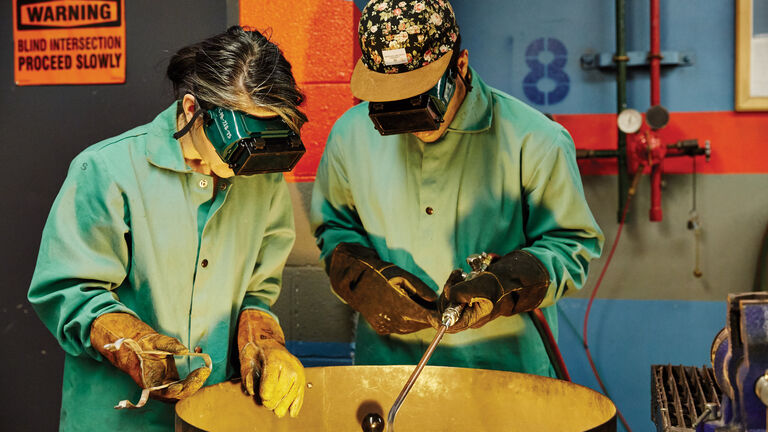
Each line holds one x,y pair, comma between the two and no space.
478,263
449,318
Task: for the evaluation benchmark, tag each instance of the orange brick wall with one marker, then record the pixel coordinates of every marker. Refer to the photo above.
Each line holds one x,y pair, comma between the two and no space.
319,38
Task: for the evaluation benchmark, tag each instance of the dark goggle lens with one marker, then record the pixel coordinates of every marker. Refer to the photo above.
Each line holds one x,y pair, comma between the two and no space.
420,113
255,156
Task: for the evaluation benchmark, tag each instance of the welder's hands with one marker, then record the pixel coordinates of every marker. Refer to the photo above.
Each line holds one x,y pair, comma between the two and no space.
146,369
264,361
475,309
514,283
391,299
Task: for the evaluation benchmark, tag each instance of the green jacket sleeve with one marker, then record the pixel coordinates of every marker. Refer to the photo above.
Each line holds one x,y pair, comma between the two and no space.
279,235
84,255
333,216
560,228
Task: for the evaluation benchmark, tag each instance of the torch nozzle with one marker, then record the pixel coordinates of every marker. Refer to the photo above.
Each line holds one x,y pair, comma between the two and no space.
451,315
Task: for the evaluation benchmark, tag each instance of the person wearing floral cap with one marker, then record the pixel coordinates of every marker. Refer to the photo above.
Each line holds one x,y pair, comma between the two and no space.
435,166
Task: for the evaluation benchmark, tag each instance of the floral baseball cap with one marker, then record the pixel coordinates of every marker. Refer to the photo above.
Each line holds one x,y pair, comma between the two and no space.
406,46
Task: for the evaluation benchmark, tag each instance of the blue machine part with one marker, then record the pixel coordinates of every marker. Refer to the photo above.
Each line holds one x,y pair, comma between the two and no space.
740,361
683,398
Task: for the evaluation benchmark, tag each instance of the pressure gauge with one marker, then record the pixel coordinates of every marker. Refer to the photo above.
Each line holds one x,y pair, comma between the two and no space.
629,121
657,117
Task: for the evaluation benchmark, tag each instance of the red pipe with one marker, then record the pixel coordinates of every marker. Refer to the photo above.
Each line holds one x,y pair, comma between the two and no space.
655,213
655,54
550,344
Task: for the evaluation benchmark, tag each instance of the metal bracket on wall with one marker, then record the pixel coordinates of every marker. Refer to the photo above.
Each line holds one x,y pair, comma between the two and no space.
636,59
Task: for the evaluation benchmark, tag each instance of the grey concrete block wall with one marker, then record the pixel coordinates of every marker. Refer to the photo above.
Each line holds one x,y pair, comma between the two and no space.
305,252
309,311
655,260
307,308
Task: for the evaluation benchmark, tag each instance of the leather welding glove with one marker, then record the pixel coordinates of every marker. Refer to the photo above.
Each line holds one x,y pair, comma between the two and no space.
147,370
263,357
391,299
514,283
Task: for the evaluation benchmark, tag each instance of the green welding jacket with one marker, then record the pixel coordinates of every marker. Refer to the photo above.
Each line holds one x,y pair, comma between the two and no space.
135,230
503,177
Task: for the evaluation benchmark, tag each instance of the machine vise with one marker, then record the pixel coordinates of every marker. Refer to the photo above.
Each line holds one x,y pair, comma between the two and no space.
686,398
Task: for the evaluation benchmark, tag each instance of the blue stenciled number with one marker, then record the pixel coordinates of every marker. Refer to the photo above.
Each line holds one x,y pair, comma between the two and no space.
552,70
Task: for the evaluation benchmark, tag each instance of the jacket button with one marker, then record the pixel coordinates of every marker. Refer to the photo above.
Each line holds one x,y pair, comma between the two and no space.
204,263
203,183
429,210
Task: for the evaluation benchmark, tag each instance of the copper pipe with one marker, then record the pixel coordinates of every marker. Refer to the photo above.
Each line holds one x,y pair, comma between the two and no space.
412,379
449,318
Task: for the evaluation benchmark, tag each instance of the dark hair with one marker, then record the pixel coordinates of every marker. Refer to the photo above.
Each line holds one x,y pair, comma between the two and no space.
238,69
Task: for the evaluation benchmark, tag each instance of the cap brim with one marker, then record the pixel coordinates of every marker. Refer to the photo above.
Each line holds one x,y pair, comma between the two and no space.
383,87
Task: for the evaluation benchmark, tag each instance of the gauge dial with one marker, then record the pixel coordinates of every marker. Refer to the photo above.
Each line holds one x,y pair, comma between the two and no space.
629,121
657,117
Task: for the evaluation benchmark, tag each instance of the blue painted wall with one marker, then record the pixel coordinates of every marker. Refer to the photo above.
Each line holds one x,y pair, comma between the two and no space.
498,33
497,43
626,337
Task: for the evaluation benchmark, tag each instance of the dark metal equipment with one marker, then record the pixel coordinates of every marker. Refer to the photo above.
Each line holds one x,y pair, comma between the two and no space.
732,396
443,399
682,396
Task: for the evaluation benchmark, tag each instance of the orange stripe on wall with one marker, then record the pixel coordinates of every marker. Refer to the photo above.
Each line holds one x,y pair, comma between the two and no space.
739,141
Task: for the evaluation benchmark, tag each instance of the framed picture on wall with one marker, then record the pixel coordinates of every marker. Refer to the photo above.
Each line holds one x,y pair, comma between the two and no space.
751,86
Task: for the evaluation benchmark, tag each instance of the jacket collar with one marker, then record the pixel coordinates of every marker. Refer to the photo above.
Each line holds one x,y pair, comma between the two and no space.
475,113
163,150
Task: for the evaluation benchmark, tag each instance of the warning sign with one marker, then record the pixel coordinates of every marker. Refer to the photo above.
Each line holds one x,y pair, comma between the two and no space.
69,41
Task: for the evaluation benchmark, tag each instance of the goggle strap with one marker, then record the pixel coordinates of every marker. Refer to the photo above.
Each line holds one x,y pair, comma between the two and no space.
189,124
467,84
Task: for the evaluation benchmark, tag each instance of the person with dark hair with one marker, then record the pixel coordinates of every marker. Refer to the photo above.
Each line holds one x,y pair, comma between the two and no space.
436,167
167,243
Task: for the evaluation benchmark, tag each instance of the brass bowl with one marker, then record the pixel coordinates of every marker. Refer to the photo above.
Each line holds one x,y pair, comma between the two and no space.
443,399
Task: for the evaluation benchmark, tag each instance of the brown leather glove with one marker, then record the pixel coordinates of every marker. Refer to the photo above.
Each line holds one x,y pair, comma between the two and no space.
147,370
391,299
514,283
263,356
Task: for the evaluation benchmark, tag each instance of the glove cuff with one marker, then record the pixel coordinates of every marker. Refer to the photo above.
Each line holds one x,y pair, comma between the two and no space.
108,328
258,328
391,299
524,282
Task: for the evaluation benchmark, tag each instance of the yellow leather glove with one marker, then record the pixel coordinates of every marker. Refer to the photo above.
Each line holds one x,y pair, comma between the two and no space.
263,356
147,370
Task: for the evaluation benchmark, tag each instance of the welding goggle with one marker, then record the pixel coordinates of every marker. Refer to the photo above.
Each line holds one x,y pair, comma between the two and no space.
419,113
249,144
252,145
